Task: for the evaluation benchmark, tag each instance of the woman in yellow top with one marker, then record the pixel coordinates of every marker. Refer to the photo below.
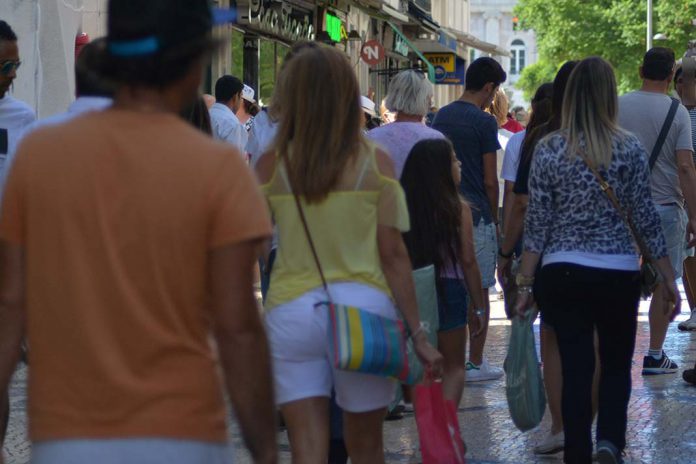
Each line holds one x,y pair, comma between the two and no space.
356,212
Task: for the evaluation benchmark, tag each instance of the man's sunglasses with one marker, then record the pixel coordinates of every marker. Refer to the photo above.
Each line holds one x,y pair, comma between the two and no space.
7,67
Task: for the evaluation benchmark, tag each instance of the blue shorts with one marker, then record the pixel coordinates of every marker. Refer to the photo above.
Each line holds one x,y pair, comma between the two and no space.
452,305
486,247
674,221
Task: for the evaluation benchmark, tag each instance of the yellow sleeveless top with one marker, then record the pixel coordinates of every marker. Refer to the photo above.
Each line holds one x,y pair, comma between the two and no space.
343,228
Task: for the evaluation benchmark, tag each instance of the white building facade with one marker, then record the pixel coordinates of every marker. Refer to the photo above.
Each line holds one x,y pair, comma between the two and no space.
47,31
494,21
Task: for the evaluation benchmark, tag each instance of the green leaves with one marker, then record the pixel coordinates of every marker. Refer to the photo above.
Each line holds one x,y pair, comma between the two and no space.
534,75
612,29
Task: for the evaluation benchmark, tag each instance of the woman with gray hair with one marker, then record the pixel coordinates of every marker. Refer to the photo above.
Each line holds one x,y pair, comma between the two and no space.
410,98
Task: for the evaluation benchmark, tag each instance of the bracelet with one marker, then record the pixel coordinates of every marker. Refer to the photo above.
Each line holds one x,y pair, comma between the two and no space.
523,280
525,289
505,255
479,312
422,327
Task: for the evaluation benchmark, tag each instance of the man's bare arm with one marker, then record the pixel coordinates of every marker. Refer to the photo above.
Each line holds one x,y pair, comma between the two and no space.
243,346
12,315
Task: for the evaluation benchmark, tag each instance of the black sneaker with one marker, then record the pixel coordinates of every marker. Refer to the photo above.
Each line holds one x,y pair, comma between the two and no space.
664,365
607,453
689,375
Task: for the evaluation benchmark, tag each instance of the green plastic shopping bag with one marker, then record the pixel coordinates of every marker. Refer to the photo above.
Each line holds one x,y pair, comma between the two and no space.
426,295
523,383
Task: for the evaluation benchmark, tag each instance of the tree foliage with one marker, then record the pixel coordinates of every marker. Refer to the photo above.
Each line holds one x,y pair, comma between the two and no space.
613,29
533,76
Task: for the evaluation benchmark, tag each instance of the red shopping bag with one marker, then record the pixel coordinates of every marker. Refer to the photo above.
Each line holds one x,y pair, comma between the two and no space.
438,428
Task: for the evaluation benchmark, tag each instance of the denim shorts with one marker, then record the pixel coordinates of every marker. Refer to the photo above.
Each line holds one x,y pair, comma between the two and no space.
452,305
674,220
486,246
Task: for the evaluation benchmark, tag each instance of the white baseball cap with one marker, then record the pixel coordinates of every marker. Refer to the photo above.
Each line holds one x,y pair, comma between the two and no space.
368,106
248,94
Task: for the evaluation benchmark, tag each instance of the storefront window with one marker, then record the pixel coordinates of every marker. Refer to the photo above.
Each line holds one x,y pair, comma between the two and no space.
237,54
272,55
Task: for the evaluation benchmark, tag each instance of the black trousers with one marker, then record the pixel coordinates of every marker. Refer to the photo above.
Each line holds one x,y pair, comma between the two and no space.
576,300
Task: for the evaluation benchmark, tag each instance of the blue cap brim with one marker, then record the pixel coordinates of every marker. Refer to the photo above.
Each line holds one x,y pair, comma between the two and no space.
224,16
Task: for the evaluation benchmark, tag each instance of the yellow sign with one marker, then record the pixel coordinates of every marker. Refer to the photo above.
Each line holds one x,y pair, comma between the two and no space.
444,60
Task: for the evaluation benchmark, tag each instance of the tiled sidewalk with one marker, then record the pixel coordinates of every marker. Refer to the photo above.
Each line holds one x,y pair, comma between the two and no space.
662,414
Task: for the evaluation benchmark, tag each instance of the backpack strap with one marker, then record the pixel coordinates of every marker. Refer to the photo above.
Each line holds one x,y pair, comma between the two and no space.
663,132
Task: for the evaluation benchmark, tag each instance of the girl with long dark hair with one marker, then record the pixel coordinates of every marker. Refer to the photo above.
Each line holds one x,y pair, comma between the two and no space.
514,226
442,235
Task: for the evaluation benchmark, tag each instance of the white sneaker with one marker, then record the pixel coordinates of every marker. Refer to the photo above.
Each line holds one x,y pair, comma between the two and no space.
552,444
690,323
483,372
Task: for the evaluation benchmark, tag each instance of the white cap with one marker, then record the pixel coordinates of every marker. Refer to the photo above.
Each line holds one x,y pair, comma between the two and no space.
248,94
368,106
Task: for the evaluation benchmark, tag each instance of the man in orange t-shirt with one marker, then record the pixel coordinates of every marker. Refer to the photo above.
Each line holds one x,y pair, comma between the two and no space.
127,240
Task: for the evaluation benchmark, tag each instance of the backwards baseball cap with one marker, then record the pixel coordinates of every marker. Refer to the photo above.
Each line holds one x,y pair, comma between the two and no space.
248,94
139,28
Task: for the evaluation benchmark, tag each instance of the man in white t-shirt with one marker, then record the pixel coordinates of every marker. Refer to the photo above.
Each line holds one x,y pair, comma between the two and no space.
15,115
223,118
672,178
91,95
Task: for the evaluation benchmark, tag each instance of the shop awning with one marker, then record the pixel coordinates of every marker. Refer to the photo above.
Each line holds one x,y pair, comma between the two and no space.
395,14
446,42
473,42
431,68
426,21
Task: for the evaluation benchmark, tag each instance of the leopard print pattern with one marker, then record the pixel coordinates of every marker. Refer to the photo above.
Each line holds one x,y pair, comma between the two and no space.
568,211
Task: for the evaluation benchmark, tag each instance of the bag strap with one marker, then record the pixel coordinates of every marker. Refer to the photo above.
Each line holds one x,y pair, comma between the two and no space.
313,248
609,192
666,126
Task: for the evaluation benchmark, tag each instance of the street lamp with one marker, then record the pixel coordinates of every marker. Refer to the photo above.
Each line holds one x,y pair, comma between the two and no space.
650,25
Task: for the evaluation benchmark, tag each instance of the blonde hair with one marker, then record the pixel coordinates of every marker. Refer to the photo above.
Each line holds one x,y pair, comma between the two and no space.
297,47
320,120
500,106
590,108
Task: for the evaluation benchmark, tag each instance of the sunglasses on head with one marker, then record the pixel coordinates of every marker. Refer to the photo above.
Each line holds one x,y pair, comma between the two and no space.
7,67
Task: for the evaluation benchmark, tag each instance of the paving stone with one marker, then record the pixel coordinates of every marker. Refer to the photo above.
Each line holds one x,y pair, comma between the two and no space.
661,427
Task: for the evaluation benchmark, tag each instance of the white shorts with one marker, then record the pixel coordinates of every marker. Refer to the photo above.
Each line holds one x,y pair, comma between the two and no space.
302,368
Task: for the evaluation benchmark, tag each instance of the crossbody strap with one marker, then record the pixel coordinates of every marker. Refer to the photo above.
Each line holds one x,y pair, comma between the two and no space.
313,248
666,126
609,192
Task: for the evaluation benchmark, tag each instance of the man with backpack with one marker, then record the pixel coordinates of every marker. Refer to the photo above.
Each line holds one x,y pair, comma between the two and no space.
663,126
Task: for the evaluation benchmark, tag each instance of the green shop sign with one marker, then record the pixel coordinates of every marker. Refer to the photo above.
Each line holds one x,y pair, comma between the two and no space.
335,28
400,45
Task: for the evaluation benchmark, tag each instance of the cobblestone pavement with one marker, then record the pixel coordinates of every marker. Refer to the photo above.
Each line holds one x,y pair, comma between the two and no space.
661,429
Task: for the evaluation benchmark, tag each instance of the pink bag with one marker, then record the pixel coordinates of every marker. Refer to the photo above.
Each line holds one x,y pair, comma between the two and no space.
438,428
